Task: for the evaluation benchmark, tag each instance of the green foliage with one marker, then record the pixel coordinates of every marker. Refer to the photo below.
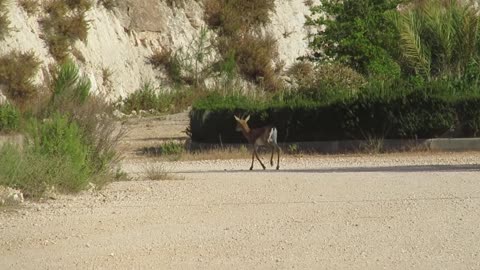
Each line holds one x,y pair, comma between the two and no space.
171,148
146,98
17,71
4,21
326,82
58,158
357,33
439,38
69,85
9,118
60,137
64,24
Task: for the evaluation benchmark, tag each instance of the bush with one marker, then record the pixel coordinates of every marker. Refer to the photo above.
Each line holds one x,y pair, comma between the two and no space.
367,115
65,23
9,118
238,24
357,33
17,71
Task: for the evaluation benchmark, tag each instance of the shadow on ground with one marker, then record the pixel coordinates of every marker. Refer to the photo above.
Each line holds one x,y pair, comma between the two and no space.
405,169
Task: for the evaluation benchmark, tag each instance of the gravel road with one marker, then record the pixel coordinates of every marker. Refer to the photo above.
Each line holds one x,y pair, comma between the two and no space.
395,211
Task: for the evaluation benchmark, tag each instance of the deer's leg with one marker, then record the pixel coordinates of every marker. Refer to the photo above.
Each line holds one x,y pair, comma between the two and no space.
253,158
256,154
271,157
278,155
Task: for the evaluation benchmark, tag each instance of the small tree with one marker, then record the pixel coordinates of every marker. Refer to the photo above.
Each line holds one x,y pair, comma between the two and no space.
356,33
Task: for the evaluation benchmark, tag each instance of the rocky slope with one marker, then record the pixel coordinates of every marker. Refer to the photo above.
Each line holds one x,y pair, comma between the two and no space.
121,39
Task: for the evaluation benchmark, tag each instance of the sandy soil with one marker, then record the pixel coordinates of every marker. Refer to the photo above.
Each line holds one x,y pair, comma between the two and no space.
395,211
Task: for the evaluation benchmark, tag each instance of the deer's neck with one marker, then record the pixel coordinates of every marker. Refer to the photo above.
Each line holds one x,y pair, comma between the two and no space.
247,132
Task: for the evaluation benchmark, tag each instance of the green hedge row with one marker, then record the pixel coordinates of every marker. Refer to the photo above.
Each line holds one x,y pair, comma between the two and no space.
414,115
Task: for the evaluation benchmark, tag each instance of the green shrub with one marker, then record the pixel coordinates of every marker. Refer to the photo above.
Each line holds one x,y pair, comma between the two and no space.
57,157
69,85
327,81
9,118
17,71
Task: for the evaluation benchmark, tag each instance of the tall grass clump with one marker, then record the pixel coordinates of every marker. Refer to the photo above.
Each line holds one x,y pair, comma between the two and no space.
9,118
149,98
17,70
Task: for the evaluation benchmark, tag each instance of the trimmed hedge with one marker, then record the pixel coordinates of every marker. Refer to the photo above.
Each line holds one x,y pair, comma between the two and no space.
415,115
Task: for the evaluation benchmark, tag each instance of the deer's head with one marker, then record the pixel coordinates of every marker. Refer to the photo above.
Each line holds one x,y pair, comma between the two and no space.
242,123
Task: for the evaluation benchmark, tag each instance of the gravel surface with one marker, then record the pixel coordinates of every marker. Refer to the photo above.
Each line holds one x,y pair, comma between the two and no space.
392,211
395,211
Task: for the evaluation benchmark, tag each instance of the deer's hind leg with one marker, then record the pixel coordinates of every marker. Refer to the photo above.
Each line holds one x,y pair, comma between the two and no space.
258,158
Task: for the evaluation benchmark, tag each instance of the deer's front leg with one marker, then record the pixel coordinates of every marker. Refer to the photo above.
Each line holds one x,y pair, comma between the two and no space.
253,158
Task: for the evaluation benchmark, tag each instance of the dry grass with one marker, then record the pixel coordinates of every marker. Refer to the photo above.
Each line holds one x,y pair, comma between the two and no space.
158,172
17,71
4,21
64,24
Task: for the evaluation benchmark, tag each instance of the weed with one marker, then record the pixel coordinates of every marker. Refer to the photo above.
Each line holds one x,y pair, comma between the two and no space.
293,149
30,6
4,21
16,73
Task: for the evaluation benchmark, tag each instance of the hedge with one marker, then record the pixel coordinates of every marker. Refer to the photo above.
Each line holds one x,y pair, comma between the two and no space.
411,116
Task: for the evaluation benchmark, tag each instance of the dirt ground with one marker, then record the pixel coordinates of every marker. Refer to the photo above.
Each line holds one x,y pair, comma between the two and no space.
392,211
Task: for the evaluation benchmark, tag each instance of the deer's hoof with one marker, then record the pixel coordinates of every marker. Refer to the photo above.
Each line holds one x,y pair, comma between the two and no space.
278,167
263,167
251,168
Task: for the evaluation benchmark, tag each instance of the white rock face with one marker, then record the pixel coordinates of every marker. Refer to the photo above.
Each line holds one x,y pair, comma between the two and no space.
288,28
120,41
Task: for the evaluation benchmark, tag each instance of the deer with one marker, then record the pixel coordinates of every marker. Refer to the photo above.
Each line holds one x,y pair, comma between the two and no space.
266,135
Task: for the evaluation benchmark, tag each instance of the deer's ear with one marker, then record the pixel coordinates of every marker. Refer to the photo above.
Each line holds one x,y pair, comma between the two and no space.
236,118
248,118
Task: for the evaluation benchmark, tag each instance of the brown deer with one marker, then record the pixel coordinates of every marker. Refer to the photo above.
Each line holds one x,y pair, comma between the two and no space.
266,135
